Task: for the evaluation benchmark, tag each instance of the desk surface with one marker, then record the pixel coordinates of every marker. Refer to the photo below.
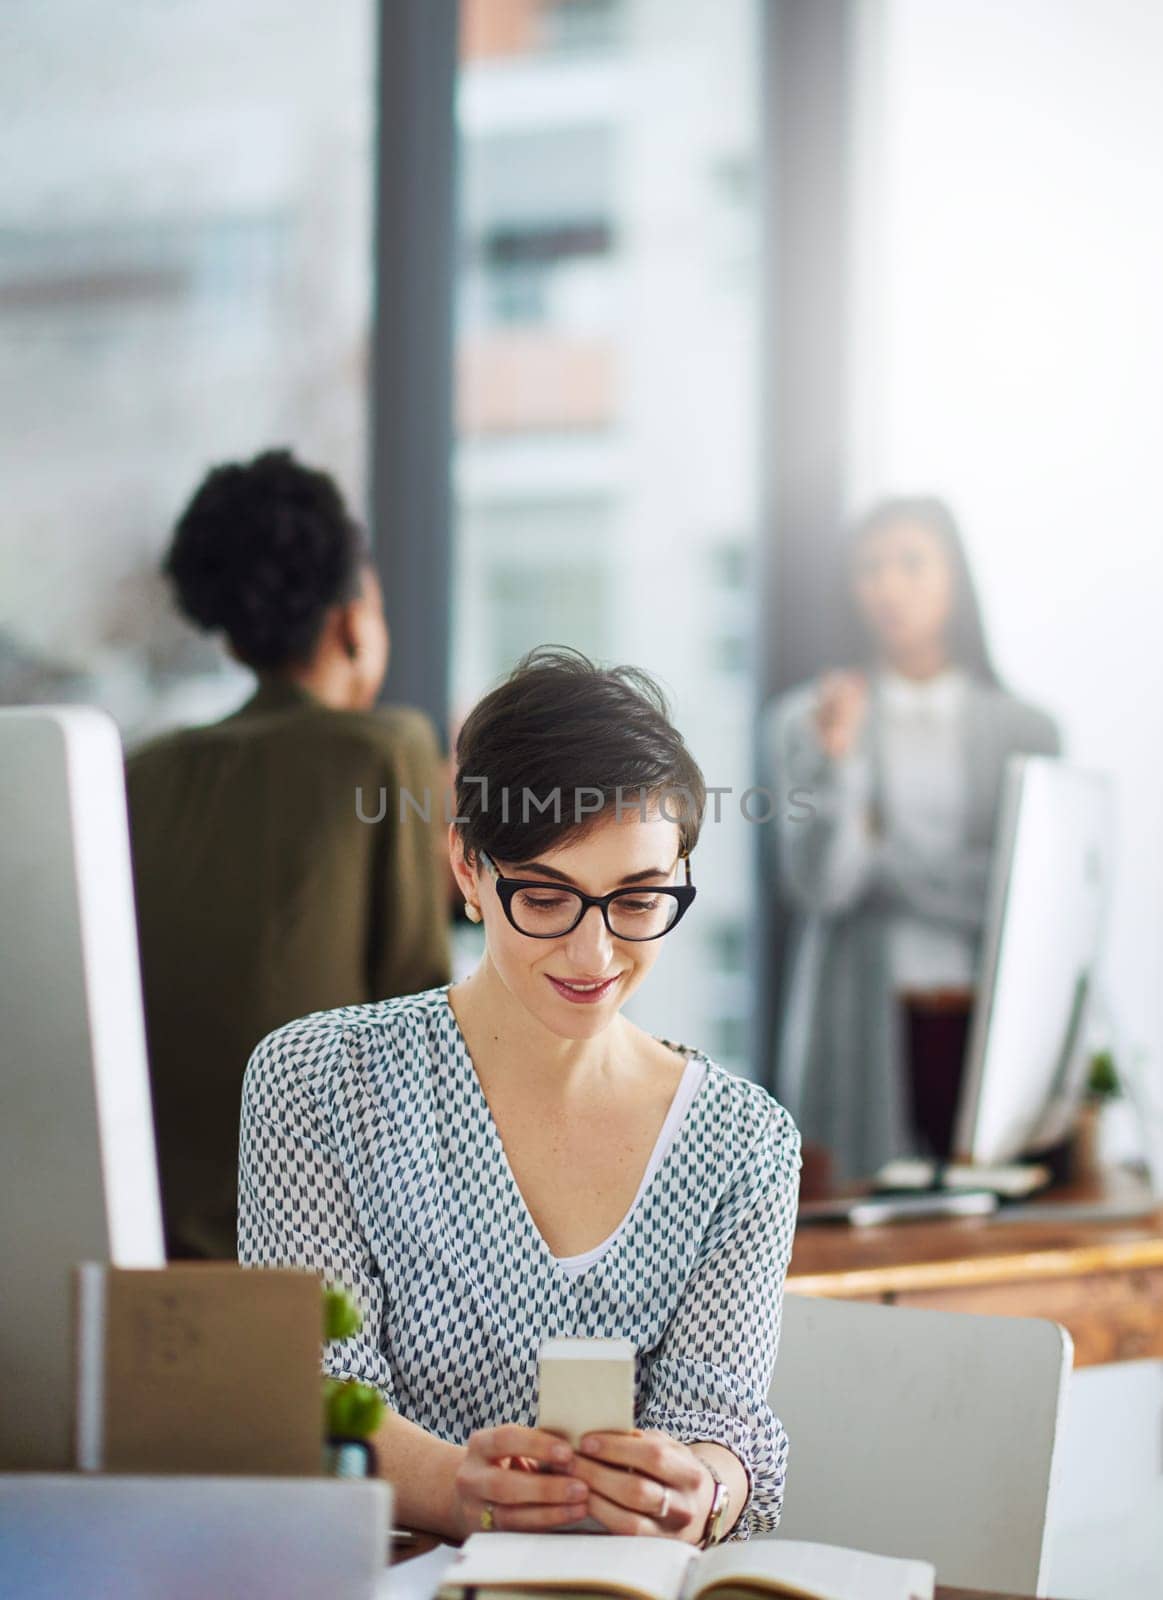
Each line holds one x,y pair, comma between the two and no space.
901,1256
1102,1280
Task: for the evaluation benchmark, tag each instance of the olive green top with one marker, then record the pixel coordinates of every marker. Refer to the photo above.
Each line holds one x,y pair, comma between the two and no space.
263,896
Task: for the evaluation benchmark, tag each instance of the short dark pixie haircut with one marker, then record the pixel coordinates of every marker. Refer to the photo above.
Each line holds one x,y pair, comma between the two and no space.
262,552
561,723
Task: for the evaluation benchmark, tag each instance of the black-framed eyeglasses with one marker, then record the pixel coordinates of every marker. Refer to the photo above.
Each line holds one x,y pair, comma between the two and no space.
548,910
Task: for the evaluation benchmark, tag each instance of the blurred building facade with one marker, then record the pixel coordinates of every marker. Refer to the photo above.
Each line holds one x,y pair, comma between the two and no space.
195,284
185,277
606,468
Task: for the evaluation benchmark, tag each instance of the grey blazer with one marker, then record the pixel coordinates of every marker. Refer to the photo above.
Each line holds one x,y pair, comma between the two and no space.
839,1063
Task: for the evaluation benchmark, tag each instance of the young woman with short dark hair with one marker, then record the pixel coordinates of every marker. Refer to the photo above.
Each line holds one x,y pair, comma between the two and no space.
511,1159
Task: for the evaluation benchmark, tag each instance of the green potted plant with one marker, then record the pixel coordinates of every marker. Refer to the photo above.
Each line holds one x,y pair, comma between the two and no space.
352,1411
1102,1089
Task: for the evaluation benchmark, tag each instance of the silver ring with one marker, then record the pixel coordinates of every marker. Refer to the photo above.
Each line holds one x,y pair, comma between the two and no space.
660,1514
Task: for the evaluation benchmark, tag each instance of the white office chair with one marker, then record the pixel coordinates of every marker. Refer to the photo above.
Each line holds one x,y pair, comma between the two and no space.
922,1433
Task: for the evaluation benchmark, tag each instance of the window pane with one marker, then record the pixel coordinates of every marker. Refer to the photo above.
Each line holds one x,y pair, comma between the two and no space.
1009,251
184,278
606,466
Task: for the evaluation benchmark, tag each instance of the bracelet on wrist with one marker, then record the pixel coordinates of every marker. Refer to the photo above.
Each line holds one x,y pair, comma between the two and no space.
715,1527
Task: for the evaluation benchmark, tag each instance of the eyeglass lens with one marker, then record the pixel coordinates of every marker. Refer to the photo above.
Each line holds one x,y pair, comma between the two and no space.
637,914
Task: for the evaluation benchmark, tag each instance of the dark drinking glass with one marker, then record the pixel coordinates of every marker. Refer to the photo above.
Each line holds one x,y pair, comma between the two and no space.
936,1033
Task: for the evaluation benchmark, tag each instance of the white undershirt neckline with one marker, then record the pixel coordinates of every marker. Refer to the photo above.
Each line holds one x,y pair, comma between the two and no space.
688,1088
939,696
925,795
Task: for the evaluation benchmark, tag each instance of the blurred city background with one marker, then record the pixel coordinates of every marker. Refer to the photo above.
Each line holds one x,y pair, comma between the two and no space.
186,276
967,305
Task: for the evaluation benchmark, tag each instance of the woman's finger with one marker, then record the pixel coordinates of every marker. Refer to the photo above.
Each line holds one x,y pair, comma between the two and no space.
503,1486
511,1439
619,1520
652,1453
632,1490
534,1519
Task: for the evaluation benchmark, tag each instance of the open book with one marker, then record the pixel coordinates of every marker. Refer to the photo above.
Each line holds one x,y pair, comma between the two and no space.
515,1566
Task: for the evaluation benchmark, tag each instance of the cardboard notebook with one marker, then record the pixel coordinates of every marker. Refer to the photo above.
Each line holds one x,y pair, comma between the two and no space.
200,1367
515,1566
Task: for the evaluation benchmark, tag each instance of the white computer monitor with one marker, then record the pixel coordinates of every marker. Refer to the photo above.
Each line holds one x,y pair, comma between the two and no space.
78,1173
1025,1067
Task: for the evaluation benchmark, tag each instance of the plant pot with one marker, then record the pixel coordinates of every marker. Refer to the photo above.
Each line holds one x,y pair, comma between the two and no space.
349,1458
1085,1162
1107,1135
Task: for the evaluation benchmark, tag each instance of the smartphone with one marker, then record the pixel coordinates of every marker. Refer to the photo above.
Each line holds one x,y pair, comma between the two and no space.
585,1386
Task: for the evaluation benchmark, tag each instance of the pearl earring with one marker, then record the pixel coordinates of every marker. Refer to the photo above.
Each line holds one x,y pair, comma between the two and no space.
473,913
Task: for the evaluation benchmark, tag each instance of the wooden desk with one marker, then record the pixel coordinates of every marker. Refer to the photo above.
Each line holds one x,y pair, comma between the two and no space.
1103,1281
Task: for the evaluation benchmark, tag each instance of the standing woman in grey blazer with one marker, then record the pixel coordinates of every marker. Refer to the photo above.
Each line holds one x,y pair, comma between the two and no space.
889,772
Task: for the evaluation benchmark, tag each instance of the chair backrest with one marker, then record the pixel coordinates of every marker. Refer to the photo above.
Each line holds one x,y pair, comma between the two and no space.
922,1433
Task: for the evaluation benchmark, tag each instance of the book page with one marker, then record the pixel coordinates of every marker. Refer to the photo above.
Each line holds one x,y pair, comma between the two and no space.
578,1564
813,1571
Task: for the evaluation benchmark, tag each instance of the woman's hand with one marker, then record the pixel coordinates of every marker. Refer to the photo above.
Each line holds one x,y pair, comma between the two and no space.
841,706
499,1485
645,1483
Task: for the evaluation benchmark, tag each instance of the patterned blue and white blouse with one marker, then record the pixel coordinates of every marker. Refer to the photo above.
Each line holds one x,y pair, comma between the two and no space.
369,1154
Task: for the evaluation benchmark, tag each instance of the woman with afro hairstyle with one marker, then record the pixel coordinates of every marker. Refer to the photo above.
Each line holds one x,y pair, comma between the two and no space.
263,893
